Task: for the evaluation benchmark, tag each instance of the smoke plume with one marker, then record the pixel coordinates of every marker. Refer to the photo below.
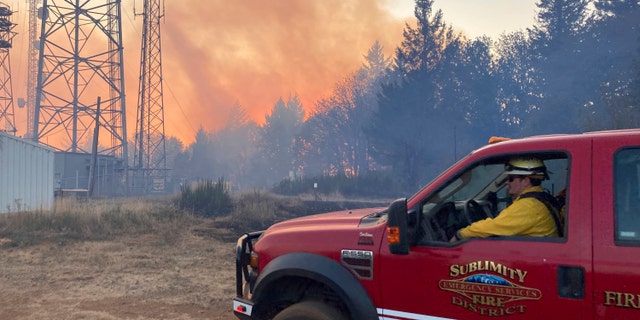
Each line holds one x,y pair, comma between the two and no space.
251,52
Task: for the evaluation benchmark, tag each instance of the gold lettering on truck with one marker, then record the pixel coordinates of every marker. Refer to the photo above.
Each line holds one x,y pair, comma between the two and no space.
488,288
621,299
461,270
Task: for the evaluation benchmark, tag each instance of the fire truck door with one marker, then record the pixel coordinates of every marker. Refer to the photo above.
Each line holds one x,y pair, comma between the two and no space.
616,213
510,277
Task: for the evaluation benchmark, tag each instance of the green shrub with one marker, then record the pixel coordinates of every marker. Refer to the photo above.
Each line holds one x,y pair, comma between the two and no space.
206,199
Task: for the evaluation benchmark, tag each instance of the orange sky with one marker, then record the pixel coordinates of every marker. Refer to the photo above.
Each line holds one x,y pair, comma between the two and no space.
217,53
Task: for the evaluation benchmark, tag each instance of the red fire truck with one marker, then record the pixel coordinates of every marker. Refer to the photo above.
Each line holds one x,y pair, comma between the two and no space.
398,263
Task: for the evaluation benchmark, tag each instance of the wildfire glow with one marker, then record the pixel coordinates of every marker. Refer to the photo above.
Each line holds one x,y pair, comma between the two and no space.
220,53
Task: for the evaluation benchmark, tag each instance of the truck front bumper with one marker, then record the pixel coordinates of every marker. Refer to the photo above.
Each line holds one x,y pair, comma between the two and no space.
245,279
242,308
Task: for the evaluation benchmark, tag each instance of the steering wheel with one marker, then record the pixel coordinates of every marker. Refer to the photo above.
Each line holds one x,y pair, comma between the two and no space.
434,223
474,211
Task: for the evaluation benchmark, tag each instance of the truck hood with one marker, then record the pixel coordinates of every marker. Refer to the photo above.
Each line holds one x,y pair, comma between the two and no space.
325,233
333,220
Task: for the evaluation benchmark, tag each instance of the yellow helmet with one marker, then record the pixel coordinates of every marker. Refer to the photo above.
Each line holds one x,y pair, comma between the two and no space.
526,167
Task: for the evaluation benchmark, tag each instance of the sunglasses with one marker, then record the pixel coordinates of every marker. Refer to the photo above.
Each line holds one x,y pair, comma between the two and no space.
511,178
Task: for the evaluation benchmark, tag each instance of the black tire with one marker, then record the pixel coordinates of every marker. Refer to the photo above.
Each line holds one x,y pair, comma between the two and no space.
310,310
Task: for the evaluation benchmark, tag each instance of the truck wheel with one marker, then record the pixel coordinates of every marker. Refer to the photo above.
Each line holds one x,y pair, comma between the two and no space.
310,310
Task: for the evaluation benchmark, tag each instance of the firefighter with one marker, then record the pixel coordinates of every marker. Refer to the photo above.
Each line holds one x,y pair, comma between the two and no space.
527,215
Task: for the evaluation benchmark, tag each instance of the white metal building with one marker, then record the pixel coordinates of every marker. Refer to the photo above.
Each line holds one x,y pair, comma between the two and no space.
26,175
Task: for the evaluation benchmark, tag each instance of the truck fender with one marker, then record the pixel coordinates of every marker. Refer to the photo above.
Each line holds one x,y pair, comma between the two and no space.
320,269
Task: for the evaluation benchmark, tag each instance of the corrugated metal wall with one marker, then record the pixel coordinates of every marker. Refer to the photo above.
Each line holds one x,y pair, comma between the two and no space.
26,175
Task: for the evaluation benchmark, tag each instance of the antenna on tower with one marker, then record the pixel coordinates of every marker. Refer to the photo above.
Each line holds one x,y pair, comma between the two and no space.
149,163
32,65
7,115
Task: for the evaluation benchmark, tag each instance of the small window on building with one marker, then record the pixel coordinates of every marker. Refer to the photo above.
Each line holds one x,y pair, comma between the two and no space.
627,196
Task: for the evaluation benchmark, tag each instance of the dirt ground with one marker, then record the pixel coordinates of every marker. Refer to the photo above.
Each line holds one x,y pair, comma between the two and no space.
185,276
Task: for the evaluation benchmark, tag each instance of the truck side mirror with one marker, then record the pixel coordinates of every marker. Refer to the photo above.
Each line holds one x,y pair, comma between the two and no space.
397,229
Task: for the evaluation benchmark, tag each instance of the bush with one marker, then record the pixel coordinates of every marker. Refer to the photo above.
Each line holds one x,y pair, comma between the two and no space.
206,198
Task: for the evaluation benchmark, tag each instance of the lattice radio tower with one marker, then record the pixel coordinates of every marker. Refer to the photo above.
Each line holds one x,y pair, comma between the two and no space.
7,116
150,165
80,62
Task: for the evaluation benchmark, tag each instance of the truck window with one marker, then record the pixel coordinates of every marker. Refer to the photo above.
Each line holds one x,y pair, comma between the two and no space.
627,196
478,193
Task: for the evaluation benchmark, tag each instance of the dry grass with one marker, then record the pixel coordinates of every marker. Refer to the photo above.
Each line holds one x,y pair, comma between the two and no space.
94,220
128,258
115,259
257,210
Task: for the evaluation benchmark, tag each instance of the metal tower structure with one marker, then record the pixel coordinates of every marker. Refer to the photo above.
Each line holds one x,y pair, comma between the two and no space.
7,116
32,65
150,165
80,62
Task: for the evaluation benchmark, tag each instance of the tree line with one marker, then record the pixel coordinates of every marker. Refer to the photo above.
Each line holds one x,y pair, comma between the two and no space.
437,97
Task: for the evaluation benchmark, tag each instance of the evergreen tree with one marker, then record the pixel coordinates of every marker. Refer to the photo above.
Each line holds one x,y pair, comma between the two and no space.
375,65
202,163
622,99
559,20
517,87
277,140
236,147
411,108
175,154
334,141
337,143
479,87
611,45
610,8
403,138
559,64
422,45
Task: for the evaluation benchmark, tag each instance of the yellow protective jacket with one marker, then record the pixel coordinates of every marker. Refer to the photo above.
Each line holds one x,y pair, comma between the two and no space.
524,217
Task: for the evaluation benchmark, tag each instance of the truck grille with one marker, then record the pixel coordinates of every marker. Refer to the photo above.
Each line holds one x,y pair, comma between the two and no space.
360,262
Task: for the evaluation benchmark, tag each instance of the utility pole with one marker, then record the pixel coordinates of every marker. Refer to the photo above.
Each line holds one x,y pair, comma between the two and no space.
94,154
150,165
